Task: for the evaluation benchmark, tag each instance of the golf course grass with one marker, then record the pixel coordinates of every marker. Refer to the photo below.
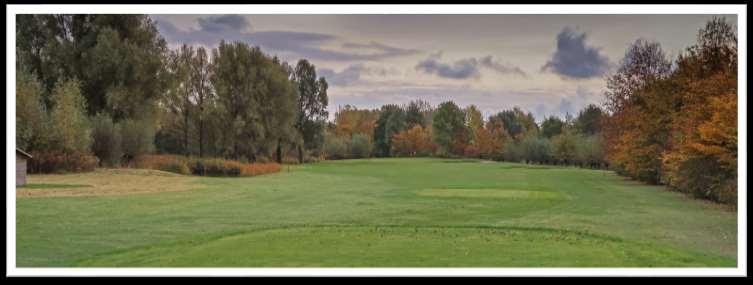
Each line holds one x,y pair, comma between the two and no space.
397,212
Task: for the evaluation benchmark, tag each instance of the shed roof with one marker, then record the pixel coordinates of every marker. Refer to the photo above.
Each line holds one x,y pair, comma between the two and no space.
23,153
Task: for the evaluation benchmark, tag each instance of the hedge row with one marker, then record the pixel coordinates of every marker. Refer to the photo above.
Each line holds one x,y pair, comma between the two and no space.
203,166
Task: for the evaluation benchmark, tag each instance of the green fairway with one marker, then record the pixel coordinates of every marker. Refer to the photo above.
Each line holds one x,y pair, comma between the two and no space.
375,213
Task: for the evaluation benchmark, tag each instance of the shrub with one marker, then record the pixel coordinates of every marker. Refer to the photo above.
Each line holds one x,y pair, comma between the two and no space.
514,152
564,147
179,167
106,143
360,146
216,167
32,121
471,151
335,147
287,159
165,141
203,166
536,149
61,162
589,151
221,167
70,132
728,191
699,176
311,159
137,137
170,163
255,169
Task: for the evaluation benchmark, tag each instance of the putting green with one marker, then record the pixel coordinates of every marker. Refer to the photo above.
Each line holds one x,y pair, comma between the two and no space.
491,193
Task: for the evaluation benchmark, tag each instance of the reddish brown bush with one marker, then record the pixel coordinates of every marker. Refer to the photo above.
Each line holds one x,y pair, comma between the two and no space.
61,162
203,167
170,163
471,151
254,169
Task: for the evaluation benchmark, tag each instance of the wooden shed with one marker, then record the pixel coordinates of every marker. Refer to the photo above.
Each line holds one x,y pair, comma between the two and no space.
21,161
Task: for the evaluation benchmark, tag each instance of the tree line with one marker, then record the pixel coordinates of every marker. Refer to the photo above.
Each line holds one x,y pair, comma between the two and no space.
674,122
107,86
419,129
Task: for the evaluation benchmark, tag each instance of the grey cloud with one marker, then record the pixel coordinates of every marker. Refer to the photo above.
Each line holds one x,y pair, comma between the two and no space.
379,47
566,107
352,74
574,59
574,103
541,102
489,102
489,62
304,44
461,69
224,23
465,68
540,111
343,78
174,35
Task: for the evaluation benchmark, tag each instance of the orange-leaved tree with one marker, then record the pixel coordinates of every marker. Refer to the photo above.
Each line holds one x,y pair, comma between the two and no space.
415,141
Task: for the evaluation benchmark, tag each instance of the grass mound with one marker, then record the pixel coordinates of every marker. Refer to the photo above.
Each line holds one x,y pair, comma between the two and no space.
377,246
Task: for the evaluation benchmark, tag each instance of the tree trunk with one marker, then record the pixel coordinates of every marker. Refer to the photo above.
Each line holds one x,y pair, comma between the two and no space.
201,137
300,154
185,134
279,151
235,148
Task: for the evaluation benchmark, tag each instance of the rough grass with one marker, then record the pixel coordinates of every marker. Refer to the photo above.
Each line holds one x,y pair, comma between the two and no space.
52,186
104,182
370,212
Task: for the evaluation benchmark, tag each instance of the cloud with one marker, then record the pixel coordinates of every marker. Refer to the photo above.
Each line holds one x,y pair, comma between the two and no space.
490,63
573,104
574,59
461,69
218,24
465,68
382,48
353,73
542,103
566,107
302,44
376,94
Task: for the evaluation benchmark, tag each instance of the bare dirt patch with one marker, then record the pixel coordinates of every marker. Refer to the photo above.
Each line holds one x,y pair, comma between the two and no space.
105,182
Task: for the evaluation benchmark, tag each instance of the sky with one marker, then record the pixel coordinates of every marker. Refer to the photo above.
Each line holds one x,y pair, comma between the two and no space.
545,64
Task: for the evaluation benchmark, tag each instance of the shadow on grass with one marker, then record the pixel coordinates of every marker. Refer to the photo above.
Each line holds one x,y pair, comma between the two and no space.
52,186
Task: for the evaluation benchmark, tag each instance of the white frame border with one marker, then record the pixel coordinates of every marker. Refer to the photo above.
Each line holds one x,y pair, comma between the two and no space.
739,10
